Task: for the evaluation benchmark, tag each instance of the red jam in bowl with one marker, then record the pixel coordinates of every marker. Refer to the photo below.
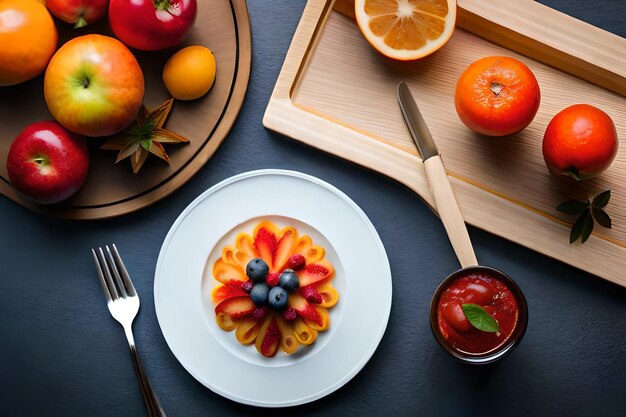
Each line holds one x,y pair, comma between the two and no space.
487,291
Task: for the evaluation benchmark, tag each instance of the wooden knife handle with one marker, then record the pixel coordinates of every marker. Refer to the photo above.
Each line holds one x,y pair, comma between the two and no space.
449,211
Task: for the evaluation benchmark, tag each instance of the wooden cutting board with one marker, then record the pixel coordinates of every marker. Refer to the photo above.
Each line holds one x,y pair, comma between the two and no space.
112,189
337,94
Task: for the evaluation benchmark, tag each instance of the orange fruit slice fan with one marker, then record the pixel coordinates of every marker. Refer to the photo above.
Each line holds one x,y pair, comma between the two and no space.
275,289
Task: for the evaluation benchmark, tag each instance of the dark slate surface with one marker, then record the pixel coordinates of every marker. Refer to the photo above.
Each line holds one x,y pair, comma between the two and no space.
61,354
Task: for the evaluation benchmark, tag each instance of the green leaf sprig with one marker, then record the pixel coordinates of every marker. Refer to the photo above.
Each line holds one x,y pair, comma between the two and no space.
587,212
480,318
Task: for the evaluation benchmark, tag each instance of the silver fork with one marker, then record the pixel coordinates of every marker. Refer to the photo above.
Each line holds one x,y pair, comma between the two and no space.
123,303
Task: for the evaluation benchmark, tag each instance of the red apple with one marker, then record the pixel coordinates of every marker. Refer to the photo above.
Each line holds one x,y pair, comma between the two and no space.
94,86
150,25
79,12
47,163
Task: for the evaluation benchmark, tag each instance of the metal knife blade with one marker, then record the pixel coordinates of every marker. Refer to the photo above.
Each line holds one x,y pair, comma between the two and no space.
415,122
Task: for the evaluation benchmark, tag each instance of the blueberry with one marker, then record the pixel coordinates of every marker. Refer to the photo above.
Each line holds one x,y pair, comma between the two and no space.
257,270
278,298
259,294
289,280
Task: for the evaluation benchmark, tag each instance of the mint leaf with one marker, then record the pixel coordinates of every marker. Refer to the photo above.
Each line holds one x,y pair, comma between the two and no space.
587,213
601,217
573,207
480,318
601,199
582,228
587,227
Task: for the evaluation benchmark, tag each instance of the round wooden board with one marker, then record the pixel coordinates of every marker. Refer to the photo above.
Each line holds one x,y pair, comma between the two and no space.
112,189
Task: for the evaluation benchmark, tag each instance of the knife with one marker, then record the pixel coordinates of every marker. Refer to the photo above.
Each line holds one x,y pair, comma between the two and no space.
446,204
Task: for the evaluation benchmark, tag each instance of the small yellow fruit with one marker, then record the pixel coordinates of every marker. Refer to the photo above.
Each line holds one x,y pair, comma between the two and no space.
189,73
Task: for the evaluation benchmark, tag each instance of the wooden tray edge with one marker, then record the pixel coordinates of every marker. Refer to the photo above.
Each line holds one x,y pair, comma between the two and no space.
235,103
286,118
506,23
535,30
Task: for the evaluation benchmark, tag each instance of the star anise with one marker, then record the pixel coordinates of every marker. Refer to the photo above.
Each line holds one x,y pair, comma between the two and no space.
145,136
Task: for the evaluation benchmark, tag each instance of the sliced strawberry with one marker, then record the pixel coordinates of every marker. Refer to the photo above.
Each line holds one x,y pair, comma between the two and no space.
315,272
284,248
311,294
268,339
236,306
227,273
224,292
320,324
305,310
265,242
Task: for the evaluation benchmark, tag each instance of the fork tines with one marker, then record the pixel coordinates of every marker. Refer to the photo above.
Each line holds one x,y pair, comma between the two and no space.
113,275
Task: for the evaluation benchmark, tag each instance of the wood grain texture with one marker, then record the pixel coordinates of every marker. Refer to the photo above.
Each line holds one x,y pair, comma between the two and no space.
556,39
449,211
112,190
347,106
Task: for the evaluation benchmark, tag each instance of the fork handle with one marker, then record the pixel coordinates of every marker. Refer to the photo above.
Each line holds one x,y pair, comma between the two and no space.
149,396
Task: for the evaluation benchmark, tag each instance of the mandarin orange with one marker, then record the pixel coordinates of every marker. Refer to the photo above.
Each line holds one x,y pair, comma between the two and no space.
497,96
28,38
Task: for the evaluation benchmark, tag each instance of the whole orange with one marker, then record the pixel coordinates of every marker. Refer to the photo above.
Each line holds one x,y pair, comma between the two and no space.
28,38
497,96
580,142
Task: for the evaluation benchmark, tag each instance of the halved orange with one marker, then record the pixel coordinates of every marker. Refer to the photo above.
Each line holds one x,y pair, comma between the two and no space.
406,29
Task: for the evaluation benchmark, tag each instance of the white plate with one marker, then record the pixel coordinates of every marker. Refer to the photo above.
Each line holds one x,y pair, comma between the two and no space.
183,282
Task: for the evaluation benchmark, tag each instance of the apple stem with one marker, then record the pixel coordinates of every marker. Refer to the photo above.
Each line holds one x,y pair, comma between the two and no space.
85,82
572,172
42,161
81,22
496,87
162,4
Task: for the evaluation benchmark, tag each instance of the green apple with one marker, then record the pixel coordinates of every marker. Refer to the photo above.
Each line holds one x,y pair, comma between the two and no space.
94,86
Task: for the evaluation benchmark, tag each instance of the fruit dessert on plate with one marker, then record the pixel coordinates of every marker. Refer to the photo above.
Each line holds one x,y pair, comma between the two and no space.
275,289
